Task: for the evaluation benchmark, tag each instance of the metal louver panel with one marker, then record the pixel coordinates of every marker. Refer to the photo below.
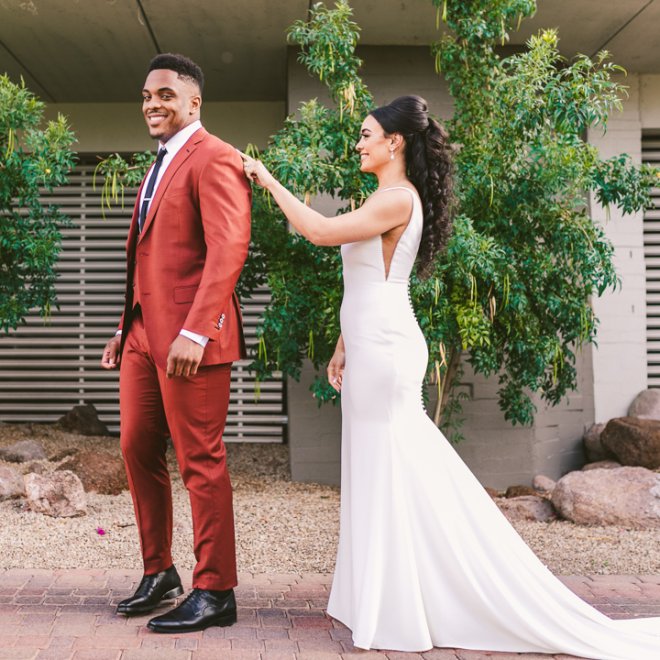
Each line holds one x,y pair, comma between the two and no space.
651,155
47,368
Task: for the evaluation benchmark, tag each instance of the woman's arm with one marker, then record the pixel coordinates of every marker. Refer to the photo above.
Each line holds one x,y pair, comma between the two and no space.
377,215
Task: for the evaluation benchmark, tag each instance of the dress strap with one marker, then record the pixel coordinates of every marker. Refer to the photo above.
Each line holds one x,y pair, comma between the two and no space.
414,193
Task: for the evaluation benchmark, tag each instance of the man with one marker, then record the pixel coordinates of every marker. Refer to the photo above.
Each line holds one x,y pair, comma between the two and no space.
179,333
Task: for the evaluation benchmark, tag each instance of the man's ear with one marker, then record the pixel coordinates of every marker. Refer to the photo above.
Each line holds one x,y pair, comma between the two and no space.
195,104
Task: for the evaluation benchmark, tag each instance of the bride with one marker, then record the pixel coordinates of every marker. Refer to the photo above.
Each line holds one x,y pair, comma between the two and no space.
425,557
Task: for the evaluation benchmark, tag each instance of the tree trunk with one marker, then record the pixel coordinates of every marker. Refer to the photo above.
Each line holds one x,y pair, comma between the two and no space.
446,385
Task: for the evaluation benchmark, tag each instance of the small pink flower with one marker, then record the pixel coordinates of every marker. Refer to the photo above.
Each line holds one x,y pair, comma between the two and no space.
100,531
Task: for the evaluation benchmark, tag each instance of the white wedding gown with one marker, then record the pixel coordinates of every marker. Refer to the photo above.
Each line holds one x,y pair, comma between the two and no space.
425,557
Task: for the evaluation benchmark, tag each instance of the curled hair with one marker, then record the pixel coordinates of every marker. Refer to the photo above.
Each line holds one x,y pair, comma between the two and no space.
183,66
429,165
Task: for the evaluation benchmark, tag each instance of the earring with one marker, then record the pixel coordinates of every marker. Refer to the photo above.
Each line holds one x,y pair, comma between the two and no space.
391,153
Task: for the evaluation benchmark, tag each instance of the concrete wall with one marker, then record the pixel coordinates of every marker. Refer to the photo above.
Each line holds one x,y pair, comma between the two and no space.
120,127
501,454
619,360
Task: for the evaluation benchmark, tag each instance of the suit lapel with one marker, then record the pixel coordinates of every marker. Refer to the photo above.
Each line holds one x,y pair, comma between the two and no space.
181,156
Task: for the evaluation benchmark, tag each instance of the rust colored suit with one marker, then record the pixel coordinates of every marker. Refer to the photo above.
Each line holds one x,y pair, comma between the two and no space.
182,269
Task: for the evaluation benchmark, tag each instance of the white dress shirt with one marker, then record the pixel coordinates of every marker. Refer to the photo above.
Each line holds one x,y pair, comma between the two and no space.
173,146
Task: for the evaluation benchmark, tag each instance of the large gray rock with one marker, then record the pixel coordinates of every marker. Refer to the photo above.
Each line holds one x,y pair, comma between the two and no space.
625,496
543,484
527,507
23,451
602,465
11,483
592,444
646,405
84,420
98,470
57,494
633,441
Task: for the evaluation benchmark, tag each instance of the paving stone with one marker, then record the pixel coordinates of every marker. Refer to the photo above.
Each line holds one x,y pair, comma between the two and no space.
54,654
61,642
158,642
281,645
247,645
213,643
18,653
441,654
324,645
155,654
186,643
310,633
318,621
87,654
272,633
23,640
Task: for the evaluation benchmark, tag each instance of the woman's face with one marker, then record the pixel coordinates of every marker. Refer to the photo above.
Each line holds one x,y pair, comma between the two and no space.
373,147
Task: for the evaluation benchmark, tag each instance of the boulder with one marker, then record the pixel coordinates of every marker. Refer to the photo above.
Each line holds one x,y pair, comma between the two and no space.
527,507
601,465
593,447
646,405
38,467
57,494
543,484
11,483
98,470
23,451
625,496
61,454
519,491
83,420
633,441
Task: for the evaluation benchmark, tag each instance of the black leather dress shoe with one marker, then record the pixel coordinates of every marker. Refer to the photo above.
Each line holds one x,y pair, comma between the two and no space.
151,591
200,610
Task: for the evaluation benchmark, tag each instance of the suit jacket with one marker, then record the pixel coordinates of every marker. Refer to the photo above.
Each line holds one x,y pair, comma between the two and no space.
191,250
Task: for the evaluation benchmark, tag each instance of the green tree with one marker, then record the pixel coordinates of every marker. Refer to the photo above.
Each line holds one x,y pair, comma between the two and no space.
526,258
32,159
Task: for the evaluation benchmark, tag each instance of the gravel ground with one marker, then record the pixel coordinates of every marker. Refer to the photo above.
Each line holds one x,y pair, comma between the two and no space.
281,527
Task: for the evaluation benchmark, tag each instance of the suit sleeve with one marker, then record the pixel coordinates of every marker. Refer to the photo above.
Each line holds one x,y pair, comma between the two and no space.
225,204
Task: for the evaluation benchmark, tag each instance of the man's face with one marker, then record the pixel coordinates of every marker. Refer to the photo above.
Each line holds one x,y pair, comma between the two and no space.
169,103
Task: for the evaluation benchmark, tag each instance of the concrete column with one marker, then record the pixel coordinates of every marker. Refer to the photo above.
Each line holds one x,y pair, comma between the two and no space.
619,360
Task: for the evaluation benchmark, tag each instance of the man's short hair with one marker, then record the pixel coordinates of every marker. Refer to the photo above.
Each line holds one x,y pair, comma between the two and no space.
183,66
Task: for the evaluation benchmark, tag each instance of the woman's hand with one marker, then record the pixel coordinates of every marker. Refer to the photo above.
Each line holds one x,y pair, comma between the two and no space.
336,366
256,171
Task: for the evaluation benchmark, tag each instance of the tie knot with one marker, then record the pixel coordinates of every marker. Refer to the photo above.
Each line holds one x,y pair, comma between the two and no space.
161,154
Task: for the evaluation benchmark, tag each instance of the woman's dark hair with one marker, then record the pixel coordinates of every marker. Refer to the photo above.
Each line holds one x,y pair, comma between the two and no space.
183,66
429,165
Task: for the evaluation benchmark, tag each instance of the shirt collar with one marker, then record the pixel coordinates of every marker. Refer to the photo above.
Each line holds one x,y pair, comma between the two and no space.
179,139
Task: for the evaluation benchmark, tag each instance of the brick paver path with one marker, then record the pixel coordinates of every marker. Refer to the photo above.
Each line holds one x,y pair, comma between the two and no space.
69,614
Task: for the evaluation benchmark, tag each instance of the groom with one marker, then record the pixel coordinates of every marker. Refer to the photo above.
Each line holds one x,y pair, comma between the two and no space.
178,335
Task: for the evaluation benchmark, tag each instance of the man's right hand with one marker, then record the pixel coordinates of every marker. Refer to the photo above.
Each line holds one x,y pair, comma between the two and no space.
111,358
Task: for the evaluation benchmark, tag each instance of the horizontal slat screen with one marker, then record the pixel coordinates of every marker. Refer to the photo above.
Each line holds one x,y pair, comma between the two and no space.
47,368
651,155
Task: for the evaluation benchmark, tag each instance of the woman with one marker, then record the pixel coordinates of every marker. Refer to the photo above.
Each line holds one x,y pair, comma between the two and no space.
425,557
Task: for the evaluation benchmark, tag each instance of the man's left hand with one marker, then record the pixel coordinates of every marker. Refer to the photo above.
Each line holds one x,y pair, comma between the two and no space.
184,357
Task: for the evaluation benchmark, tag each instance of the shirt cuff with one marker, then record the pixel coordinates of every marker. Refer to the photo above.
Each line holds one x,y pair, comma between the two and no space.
198,339
117,333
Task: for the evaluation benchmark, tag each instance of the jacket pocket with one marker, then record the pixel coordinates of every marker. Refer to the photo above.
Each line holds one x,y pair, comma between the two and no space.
184,294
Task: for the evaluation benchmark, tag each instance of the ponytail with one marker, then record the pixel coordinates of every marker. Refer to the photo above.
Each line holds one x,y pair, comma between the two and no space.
429,165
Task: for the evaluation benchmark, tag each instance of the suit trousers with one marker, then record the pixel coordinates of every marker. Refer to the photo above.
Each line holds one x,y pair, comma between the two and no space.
193,412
